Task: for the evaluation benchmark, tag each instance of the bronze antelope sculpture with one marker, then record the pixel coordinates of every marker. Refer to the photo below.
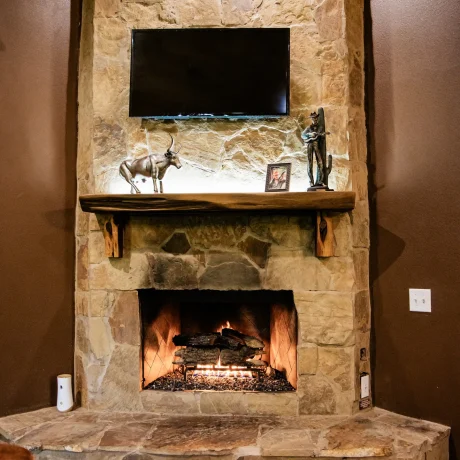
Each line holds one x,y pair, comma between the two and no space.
154,166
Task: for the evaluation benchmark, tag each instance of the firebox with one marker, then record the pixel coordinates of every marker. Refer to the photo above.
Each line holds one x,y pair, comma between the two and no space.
218,340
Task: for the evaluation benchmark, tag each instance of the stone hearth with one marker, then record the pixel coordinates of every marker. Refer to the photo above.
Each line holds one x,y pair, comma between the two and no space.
116,436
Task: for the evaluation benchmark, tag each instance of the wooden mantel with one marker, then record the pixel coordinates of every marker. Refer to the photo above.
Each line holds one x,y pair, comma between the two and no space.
180,203
211,202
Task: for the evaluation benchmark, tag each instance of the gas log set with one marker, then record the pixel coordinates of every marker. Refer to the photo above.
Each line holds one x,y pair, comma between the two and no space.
226,360
220,353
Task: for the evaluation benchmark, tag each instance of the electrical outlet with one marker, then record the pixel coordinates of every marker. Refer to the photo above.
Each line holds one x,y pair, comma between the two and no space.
420,300
365,385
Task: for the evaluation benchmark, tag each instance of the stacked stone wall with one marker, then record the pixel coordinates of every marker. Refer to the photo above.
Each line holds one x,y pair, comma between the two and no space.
234,251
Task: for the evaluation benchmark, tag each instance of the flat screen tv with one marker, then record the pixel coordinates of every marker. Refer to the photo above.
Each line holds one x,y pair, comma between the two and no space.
206,73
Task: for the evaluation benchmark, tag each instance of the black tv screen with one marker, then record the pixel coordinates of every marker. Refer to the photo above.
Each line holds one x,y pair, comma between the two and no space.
203,73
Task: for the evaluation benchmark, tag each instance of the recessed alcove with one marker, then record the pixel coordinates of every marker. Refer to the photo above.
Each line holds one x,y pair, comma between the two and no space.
269,316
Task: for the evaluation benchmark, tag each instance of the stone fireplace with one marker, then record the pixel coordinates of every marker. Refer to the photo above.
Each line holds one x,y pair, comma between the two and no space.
224,252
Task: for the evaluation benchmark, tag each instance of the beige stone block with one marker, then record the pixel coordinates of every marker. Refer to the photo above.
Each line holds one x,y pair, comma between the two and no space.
292,12
81,387
124,320
101,303
336,273
201,13
168,402
223,403
202,147
137,145
150,14
81,303
109,146
361,262
328,304
305,46
231,275
238,12
259,144
167,271
287,231
324,330
337,364
106,8
149,232
287,443
96,247
94,373
337,124
334,89
81,222
332,62
94,224
362,311
356,82
306,87
290,269
147,2
82,263
316,396
359,180
272,404
209,231
325,318
330,19
360,220
110,37
81,335
122,274
110,102
99,336
120,387
84,156
439,451
357,135
343,241
340,178
355,25
306,82
307,359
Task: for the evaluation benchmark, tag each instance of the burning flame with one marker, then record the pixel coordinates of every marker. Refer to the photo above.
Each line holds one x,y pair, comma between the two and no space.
217,370
224,326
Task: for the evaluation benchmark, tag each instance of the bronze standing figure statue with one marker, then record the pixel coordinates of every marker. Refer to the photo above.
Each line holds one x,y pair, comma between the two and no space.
314,137
154,166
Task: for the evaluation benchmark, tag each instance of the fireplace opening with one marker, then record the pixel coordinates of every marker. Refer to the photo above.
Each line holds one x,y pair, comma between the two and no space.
218,340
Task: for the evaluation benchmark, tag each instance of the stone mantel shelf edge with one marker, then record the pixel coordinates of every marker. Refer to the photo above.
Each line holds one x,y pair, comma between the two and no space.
116,205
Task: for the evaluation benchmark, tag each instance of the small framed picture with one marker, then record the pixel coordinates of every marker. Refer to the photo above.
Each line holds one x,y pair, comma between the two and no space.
278,177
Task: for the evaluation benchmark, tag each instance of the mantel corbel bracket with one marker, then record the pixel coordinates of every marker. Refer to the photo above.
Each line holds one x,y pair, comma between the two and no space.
113,235
324,235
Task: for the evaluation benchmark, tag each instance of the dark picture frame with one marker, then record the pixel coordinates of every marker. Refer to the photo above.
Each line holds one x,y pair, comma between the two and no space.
278,177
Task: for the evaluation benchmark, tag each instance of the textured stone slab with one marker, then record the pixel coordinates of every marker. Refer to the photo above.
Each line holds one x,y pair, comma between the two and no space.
95,435
126,437
166,402
197,435
69,436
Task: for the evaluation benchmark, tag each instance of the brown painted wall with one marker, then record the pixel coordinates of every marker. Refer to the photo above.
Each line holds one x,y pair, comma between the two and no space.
37,189
414,115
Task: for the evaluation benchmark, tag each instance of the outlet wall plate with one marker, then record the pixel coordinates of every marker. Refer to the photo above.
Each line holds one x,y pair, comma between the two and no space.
420,300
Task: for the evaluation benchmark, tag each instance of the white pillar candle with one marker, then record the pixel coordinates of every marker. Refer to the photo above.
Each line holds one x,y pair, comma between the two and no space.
64,398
